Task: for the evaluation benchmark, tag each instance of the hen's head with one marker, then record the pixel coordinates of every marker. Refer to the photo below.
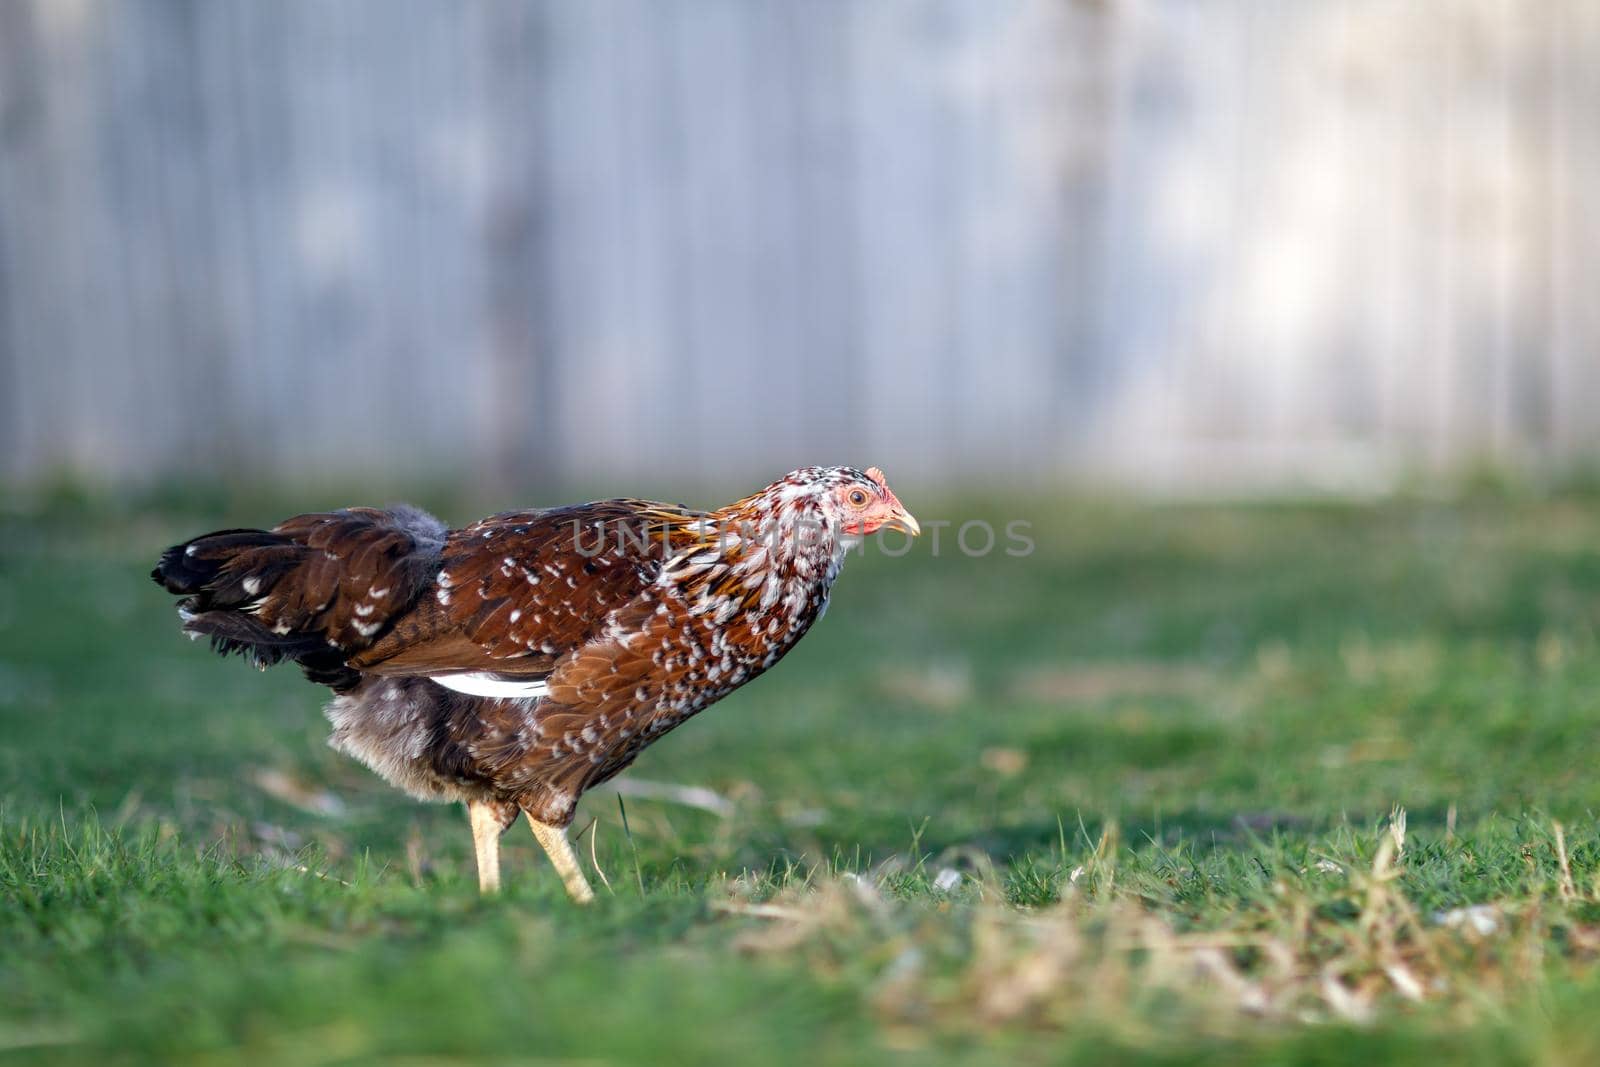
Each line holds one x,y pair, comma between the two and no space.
852,501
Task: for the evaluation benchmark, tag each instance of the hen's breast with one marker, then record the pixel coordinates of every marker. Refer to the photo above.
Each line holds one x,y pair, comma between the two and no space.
669,655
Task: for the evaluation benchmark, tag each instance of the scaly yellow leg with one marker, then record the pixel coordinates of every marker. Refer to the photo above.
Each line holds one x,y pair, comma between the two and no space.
554,841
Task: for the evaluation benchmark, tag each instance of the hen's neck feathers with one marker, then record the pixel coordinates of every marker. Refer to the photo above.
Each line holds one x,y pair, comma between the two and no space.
775,550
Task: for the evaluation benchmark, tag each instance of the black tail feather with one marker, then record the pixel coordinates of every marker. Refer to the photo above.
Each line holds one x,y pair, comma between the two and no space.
192,567
235,633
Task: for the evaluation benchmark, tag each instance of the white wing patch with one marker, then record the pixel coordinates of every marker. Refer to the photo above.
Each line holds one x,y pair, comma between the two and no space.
486,684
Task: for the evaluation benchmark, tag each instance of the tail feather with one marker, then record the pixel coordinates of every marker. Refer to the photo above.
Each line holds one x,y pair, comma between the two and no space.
193,566
315,589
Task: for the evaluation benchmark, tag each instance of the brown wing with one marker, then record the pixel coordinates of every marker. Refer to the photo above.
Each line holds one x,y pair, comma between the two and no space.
516,592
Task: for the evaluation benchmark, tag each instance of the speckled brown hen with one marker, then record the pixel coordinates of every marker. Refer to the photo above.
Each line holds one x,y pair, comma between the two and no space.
517,662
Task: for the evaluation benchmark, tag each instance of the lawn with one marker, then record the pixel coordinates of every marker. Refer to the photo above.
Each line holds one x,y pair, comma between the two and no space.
1262,783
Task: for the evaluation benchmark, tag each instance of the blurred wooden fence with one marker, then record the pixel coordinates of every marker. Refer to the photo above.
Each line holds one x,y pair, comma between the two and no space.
1163,241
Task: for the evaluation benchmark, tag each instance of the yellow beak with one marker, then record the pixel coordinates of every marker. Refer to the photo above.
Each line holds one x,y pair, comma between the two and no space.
903,521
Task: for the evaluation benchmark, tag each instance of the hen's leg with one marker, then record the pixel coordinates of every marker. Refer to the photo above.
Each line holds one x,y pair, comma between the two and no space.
489,821
554,841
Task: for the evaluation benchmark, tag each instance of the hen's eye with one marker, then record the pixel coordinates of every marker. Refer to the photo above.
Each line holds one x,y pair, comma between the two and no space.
858,497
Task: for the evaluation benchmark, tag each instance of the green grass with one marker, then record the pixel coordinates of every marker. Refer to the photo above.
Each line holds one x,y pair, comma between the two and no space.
1163,755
